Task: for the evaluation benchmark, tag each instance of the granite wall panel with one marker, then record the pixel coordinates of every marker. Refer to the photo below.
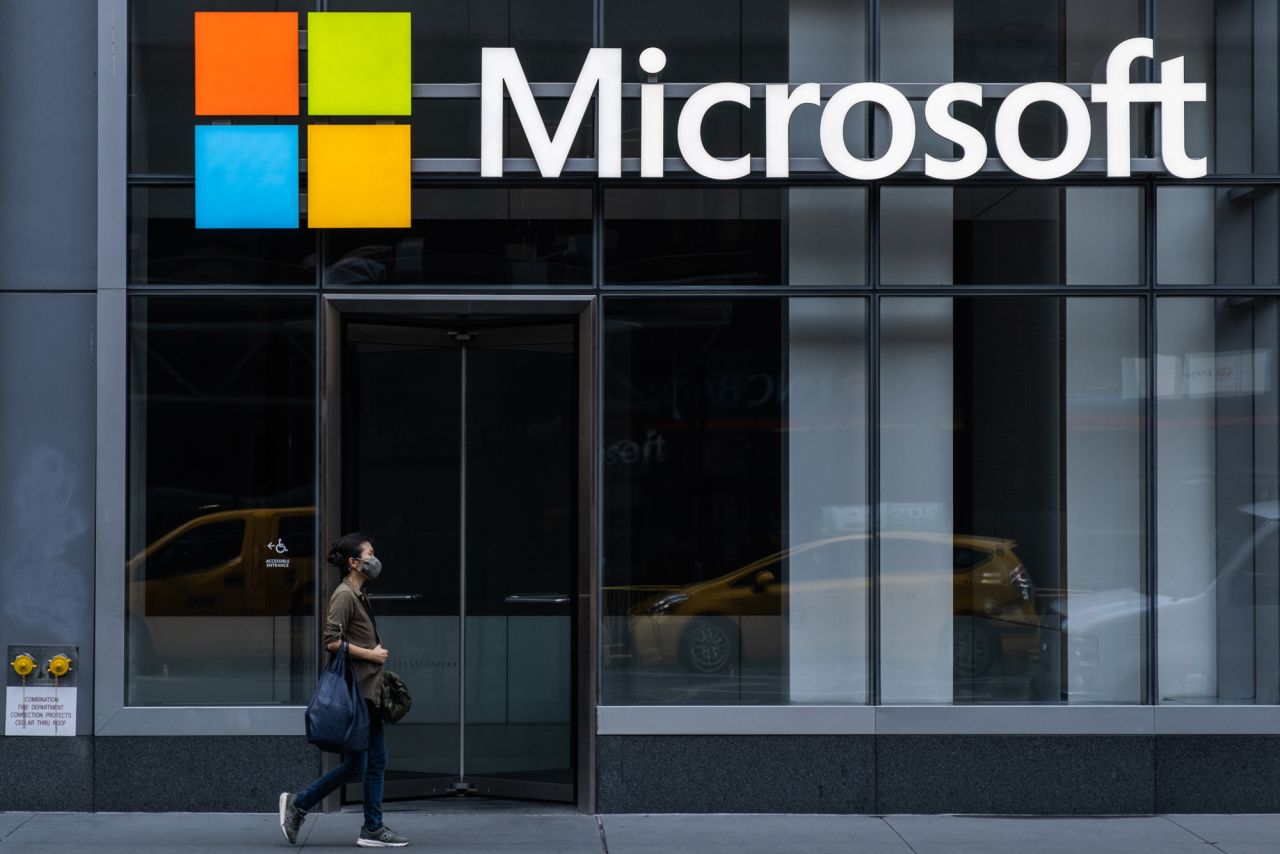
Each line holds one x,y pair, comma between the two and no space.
200,774
46,773
1016,775
1218,773
738,773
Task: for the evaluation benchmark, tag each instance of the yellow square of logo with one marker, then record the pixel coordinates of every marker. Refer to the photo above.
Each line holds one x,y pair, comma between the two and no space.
358,176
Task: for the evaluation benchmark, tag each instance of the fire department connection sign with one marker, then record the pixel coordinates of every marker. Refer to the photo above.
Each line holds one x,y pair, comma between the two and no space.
40,690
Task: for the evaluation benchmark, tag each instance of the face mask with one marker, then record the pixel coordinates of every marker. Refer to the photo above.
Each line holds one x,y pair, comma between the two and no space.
371,567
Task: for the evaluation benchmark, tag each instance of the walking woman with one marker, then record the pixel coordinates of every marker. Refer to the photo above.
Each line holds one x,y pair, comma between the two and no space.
351,619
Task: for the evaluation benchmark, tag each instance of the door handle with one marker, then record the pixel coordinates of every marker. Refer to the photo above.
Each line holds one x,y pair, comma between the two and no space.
537,599
395,597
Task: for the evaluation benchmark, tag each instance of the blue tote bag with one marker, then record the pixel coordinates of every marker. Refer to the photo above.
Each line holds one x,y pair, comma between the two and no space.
337,718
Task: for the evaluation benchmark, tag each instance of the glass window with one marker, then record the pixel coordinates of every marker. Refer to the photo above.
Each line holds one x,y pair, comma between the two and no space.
735,471
729,236
465,236
1237,53
1008,41
551,110
222,415
757,41
166,248
1218,235
1011,515
826,236
162,78
1217,478
728,130
1002,41
693,236
450,127
551,36
297,534
1011,235
198,549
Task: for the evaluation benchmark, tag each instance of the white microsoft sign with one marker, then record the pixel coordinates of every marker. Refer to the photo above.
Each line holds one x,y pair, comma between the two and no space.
501,72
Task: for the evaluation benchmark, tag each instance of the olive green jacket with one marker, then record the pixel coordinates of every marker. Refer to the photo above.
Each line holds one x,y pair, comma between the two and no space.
350,619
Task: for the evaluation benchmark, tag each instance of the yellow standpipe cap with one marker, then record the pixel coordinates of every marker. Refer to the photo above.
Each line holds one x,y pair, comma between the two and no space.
23,665
59,665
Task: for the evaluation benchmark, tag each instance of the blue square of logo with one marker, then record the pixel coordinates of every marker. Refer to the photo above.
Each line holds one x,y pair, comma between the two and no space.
246,176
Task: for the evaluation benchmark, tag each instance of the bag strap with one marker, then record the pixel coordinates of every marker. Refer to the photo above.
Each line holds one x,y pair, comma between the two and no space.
340,659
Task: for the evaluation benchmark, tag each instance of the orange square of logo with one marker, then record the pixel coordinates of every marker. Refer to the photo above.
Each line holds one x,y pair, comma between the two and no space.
246,63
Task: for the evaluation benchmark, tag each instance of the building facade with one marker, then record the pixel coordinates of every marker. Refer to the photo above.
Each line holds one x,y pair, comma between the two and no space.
702,483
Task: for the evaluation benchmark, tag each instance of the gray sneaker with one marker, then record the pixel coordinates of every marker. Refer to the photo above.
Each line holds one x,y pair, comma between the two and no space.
380,838
291,817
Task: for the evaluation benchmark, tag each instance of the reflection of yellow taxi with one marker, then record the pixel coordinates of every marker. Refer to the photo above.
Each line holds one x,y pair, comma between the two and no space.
703,626
254,563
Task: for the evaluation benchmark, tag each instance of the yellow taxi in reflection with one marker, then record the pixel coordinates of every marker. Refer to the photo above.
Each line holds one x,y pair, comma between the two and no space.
252,563
705,626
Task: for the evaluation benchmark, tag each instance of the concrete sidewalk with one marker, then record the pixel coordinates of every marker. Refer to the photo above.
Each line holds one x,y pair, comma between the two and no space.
525,829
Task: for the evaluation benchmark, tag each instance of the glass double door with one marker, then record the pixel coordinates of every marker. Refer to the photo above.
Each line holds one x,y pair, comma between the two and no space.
459,463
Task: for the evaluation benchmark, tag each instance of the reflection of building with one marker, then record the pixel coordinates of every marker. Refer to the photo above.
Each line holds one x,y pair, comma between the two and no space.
598,426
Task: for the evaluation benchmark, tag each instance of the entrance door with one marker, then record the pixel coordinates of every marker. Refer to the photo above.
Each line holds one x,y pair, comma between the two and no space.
459,462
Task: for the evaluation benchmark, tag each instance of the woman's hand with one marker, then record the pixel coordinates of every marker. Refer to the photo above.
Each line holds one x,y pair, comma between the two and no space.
378,654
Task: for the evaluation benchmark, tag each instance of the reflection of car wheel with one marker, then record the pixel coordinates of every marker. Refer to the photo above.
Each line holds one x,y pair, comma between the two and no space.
709,644
975,647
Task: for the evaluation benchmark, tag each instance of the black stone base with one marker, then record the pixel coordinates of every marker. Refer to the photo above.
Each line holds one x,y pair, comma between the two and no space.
1218,773
200,774
1016,775
736,773
1006,775
46,773
973,774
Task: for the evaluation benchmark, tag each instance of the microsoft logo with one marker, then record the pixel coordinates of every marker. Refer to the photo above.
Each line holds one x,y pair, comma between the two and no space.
359,64
358,174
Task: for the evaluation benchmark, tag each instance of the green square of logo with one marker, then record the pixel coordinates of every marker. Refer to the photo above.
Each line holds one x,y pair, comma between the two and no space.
359,64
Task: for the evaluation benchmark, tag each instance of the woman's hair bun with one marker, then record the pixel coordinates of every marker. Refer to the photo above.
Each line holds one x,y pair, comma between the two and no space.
346,546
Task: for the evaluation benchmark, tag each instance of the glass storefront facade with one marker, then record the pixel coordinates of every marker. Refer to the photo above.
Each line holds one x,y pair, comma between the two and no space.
222,467
854,444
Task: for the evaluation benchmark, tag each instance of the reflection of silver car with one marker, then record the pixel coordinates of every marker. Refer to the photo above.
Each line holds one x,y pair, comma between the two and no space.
1104,630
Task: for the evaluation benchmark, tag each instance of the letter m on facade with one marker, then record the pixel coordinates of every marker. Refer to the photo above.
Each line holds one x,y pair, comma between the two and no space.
500,70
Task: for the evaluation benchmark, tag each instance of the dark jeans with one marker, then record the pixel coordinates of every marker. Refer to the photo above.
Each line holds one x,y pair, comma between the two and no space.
367,765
